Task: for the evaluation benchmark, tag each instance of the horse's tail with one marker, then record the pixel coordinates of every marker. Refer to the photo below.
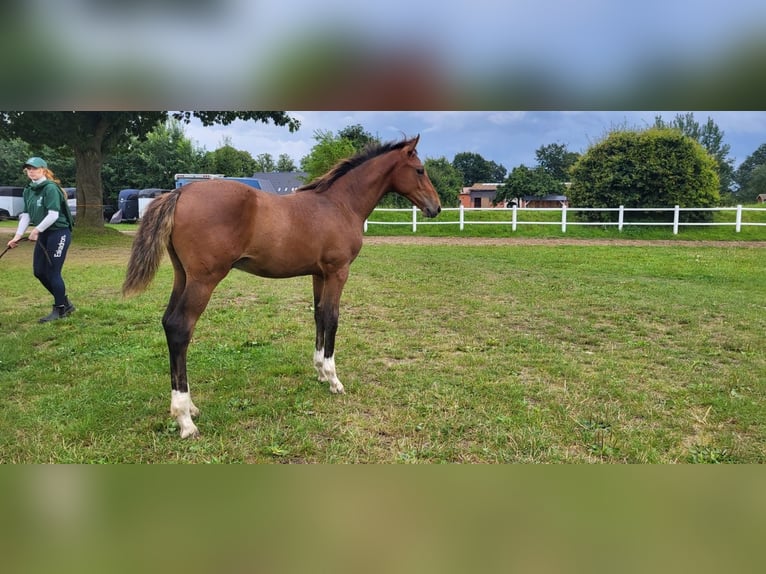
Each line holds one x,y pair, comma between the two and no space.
149,244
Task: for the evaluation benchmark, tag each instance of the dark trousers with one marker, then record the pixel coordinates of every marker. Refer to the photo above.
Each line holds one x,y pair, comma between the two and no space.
49,254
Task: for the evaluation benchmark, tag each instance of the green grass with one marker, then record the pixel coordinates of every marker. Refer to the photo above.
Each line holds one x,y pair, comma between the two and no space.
448,353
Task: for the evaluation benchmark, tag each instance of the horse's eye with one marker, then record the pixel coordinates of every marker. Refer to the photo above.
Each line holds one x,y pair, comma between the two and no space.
420,170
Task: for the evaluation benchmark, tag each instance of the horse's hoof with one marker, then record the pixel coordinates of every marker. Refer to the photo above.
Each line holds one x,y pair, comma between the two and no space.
192,433
337,389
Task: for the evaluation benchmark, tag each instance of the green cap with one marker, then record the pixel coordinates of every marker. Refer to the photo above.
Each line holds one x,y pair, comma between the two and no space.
35,162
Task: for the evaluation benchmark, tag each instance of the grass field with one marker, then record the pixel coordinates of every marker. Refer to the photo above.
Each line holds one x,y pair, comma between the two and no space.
449,353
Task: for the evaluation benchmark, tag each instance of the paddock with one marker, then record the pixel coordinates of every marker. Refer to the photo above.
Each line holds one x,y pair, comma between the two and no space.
537,353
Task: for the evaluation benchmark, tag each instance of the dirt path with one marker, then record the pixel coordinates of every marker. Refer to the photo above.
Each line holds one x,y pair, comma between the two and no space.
500,241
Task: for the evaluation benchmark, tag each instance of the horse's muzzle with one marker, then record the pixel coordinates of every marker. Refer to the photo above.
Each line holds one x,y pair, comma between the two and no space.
432,211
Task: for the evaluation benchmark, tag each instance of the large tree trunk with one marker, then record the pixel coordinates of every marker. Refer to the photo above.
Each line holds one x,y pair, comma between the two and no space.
90,192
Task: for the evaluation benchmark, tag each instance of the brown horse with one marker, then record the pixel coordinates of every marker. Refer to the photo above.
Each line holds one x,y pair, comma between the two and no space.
213,226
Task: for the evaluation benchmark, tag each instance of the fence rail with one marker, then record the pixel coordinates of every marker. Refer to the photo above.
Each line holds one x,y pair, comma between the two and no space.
564,220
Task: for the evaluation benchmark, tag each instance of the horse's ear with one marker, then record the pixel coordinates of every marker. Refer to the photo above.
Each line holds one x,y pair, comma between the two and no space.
413,144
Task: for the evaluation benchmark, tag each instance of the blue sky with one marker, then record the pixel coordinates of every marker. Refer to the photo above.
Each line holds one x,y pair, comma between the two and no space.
509,138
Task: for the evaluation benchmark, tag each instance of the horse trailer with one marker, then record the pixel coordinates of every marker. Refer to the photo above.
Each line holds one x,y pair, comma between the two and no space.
71,199
146,196
127,203
11,202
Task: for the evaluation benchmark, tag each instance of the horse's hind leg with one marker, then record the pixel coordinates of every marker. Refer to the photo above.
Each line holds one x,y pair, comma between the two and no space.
181,316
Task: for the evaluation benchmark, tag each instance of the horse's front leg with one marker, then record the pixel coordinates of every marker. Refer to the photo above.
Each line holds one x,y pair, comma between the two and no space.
327,291
318,284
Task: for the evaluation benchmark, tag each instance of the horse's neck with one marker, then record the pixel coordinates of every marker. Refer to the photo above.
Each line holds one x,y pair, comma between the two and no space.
366,185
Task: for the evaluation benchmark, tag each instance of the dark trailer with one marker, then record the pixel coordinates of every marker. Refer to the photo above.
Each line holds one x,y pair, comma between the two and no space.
127,203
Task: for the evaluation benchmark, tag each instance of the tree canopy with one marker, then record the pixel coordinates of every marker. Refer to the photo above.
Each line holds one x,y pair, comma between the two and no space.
331,148
475,169
710,137
556,160
328,151
745,173
447,180
523,181
230,161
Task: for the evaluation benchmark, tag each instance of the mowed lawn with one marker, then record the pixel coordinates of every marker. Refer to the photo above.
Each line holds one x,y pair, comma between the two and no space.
449,353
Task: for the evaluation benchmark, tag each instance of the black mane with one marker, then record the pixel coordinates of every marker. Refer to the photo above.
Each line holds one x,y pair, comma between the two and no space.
323,182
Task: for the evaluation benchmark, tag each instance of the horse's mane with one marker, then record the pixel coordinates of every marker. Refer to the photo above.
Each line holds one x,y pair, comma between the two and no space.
341,168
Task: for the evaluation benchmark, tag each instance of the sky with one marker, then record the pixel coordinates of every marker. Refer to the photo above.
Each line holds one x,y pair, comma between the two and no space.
509,138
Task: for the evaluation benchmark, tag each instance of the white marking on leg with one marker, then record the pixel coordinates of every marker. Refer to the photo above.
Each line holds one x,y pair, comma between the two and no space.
181,408
318,363
328,370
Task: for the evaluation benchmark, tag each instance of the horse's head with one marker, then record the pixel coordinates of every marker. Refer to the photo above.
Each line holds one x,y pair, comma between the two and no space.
411,181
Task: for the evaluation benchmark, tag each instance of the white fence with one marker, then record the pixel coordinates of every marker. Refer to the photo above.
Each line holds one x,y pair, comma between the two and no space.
564,221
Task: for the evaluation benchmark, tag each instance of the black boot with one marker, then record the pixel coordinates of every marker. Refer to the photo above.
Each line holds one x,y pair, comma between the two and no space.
69,308
58,312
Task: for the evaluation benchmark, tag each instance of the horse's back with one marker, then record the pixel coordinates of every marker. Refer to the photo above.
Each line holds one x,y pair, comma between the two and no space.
213,220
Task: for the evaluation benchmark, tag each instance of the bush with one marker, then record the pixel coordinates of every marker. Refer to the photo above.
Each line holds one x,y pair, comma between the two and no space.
650,168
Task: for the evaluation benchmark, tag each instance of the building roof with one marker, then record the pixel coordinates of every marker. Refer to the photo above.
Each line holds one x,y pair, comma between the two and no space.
550,197
481,187
280,182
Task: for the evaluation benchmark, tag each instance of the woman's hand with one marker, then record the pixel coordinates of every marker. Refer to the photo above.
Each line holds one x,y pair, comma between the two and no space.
33,234
14,242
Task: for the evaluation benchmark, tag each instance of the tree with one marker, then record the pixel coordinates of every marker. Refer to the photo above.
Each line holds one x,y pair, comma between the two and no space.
475,169
357,135
13,153
745,171
536,181
264,163
711,138
328,151
651,168
756,185
447,180
285,163
152,162
496,171
556,160
165,152
94,135
231,162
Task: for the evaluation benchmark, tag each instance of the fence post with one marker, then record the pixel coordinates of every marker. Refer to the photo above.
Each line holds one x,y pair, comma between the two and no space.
414,219
563,219
621,218
462,219
739,219
513,219
365,226
676,214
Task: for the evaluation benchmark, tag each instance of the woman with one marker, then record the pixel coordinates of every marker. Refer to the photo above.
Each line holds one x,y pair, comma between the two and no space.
46,208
